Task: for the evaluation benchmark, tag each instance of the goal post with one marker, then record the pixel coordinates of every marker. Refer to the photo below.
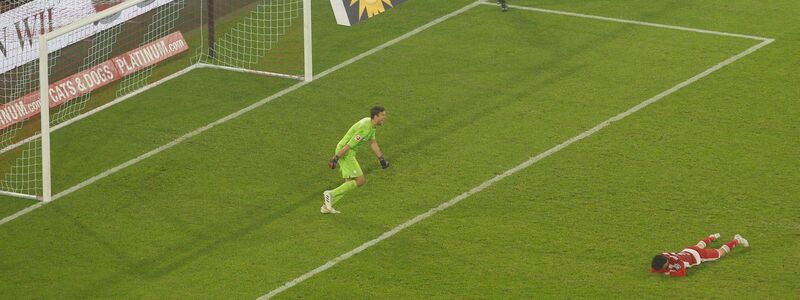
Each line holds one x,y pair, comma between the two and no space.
307,53
234,47
66,70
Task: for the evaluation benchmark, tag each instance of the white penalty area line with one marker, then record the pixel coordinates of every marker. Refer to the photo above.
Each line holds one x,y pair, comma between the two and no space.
532,160
509,172
235,115
681,28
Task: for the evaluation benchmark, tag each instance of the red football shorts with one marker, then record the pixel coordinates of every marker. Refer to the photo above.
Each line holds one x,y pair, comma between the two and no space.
706,254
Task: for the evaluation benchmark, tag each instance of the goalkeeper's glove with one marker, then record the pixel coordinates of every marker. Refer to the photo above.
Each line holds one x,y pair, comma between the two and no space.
384,163
333,162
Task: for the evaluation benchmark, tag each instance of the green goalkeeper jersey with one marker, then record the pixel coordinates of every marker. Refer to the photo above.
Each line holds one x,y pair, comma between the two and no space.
358,134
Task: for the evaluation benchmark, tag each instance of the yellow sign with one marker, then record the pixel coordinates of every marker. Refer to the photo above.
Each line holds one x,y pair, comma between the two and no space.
350,12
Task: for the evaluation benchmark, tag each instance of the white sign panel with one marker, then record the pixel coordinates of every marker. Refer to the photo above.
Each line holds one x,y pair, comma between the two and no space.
21,27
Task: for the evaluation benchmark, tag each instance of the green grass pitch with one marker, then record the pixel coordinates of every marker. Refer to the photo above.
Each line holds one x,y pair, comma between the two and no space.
234,212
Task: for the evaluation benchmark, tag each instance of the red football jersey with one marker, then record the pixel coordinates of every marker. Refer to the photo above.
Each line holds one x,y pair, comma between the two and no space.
677,263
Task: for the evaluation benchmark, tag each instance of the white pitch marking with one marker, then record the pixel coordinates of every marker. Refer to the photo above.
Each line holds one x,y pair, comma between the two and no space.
557,12
233,115
525,164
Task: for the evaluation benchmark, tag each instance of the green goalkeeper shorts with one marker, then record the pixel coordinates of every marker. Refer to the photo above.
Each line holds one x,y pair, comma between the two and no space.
349,166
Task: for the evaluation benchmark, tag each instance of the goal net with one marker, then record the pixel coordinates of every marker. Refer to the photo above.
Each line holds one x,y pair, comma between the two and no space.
101,52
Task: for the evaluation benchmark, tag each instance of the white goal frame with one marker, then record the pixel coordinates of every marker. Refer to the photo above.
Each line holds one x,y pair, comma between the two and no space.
47,192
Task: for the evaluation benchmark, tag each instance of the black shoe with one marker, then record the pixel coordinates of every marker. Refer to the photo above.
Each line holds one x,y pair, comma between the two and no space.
503,5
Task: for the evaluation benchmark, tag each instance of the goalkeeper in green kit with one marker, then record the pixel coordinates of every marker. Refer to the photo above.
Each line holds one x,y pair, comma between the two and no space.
360,133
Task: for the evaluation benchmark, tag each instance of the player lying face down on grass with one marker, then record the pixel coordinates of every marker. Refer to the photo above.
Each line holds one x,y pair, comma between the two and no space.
675,263
362,132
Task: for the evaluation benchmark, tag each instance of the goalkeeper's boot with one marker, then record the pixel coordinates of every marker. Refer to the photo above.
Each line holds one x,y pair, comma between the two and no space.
327,204
325,210
714,236
741,240
327,200
503,5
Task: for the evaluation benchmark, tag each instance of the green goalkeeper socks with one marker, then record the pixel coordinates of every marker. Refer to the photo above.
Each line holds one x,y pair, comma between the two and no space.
344,188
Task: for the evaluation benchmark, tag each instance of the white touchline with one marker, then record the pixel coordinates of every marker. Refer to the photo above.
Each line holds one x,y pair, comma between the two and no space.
532,160
235,115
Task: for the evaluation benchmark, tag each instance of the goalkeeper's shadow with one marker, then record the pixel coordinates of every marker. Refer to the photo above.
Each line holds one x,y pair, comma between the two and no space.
154,267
